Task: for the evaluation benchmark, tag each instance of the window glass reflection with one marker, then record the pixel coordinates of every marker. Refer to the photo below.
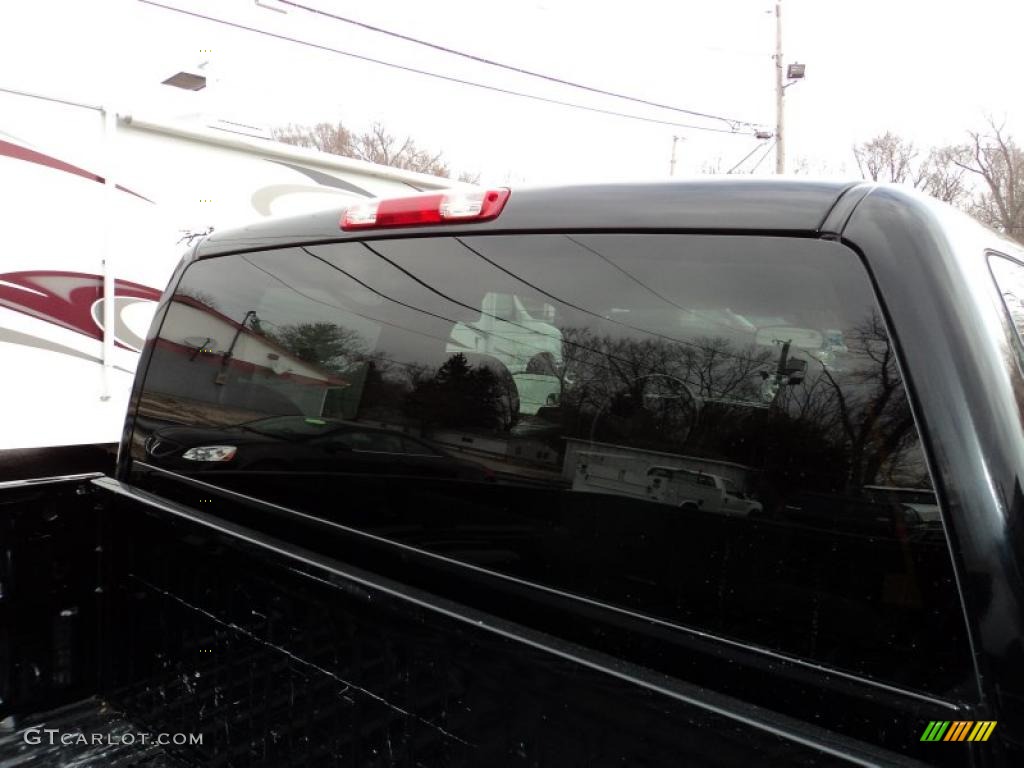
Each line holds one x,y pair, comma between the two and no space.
710,430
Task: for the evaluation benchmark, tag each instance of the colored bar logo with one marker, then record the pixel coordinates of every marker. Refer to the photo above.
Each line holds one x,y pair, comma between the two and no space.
958,730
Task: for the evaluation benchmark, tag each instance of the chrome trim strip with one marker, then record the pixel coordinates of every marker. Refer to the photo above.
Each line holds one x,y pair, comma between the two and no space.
32,481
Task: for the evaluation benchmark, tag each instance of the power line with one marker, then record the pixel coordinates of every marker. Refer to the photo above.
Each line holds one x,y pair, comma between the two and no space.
607,356
745,157
766,153
560,338
638,281
451,321
337,306
563,302
628,274
518,70
439,76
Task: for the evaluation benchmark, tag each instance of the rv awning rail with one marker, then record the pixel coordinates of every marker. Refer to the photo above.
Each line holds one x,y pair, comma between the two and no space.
280,151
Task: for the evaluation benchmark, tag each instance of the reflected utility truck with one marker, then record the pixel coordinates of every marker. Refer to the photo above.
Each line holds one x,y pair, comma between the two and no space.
677,486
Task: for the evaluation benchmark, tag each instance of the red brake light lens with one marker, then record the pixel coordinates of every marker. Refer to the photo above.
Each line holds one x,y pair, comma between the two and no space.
441,208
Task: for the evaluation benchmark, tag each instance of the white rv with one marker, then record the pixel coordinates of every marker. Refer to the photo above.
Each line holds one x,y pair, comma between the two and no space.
68,234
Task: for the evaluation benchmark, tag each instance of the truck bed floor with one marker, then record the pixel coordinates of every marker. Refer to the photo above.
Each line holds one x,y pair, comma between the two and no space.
86,717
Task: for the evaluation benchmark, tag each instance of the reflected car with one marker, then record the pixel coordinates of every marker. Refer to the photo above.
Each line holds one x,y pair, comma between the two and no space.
306,444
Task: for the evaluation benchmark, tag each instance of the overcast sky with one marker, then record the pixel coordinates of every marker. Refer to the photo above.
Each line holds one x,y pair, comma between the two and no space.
927,69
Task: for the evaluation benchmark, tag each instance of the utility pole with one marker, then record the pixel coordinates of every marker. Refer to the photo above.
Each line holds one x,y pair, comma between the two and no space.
787,372
780,144
780,372
672,163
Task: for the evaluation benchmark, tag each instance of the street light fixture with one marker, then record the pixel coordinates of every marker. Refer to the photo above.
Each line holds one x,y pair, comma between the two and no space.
794,74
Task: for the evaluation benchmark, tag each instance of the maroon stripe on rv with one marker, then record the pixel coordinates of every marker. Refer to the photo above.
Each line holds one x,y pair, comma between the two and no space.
70,305
31,156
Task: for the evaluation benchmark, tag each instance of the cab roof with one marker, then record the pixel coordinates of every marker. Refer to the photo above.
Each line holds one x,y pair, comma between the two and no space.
715,204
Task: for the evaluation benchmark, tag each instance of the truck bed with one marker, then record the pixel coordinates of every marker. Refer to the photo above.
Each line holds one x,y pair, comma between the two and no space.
278,654
88,716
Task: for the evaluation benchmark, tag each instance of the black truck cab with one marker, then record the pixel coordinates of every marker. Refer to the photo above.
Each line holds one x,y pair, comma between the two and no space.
385,494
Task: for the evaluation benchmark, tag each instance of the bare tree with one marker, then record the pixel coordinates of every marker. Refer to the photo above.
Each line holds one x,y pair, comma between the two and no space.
941,173
379,146
944,175
999,162
804,166
336,139
713,167
375,146
203,297
867,408
890,158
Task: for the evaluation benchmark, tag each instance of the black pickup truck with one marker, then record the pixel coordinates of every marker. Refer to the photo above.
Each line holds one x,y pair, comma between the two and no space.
709,473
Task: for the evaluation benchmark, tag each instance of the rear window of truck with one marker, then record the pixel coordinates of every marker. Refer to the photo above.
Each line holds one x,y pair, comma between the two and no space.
501,400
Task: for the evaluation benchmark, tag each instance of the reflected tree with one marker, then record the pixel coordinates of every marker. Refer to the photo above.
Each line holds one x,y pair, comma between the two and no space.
326,345
648,391
458,396
871,409
840,428
201,297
